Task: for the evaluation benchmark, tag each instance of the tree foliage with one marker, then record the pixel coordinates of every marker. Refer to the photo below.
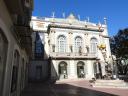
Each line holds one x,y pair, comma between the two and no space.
119,48
119,44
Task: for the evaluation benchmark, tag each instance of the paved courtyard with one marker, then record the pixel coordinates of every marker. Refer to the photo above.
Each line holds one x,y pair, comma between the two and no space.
70,88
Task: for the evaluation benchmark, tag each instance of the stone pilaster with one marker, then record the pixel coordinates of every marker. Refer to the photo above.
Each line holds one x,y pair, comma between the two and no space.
90,72
72,70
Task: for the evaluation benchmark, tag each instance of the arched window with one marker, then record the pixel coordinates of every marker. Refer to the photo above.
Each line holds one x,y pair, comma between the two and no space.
93,45
78,44
61,43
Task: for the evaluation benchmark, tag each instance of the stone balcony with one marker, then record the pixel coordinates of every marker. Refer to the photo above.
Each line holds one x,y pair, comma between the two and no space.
22,35
68,55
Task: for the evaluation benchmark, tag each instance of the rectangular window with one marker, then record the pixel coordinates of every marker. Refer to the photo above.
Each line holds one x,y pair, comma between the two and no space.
38,72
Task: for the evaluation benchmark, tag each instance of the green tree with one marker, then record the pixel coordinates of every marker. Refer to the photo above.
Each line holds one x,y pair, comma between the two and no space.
119,48
119,44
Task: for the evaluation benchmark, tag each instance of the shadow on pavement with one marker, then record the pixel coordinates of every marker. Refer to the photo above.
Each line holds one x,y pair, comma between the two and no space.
46,89
70,90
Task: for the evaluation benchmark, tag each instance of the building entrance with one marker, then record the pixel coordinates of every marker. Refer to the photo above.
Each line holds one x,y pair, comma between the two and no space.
63,70
39,73
97,70
80,70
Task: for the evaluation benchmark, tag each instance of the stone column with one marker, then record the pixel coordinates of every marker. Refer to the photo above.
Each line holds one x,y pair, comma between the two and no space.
46,47
54,70
90,71
51,40
86,46
70,43
54,40
85,43
72,70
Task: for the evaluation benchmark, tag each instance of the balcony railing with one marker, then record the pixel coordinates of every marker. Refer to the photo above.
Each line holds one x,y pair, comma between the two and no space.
72,51
23,37
73,55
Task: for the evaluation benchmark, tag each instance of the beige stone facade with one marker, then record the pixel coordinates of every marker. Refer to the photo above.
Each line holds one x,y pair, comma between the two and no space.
75,49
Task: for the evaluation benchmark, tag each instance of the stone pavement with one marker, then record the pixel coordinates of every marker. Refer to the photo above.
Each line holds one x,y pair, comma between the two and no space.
70,88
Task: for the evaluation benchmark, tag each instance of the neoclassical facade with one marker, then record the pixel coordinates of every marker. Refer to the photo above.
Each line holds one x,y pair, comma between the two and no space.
75,49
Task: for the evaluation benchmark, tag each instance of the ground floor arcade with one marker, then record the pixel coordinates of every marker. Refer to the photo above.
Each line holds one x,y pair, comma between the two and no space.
73,69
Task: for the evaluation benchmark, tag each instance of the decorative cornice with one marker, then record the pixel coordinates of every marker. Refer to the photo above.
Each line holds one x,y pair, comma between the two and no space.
73,27
70,58
105,36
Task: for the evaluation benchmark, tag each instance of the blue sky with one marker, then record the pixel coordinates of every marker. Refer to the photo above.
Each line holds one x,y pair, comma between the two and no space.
116,11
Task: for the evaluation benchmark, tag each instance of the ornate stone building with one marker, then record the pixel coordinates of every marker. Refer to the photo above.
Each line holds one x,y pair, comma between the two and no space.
15,45
74,48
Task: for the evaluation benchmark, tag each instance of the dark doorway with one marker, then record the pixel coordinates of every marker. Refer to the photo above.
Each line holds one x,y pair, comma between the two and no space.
97,70
63,70
80,70
39,73
15,68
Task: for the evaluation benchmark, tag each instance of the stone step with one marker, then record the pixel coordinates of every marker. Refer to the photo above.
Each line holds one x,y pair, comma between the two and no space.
110,83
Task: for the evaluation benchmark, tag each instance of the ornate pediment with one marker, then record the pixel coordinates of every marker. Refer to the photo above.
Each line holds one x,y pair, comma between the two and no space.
72,17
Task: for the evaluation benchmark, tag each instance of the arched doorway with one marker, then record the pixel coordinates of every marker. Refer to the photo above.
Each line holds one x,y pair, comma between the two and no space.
3,58
97,70
14,80
63,70
80,69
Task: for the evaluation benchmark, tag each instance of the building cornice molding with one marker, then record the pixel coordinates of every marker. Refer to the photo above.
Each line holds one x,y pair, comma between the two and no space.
73,27
71,58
